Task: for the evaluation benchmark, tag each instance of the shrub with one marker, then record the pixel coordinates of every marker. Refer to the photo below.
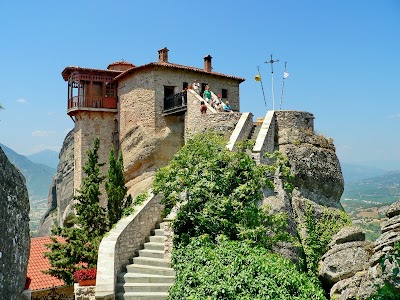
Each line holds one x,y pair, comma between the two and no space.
219,192
319,234
237,270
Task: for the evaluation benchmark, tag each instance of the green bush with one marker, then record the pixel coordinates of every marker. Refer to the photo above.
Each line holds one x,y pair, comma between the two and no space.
237,270
319,234
219,192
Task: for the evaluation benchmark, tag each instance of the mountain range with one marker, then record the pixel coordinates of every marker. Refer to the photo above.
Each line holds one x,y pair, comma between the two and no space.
38,176
46,157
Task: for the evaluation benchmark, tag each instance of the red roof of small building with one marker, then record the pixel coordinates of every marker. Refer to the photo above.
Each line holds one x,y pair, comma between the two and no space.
38,263
120,62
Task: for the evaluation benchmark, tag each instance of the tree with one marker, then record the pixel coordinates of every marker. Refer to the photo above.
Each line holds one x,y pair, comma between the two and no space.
90,215
80,239
116,190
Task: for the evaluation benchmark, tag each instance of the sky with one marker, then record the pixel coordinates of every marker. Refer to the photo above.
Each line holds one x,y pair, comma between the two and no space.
342,57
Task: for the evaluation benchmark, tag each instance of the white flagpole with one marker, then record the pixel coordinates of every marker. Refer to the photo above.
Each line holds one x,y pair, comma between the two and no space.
283,85
272,72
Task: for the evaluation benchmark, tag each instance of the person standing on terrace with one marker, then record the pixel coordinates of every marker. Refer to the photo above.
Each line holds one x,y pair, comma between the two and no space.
196,86
207,94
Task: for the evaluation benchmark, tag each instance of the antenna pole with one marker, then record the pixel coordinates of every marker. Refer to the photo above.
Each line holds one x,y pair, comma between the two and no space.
262,87
283,85
272,72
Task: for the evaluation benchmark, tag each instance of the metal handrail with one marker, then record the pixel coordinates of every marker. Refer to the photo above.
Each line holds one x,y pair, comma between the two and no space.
176,100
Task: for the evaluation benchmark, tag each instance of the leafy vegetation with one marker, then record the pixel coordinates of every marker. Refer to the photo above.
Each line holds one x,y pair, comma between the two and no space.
236,270
78,247
218,192
116,190
222,237
319,234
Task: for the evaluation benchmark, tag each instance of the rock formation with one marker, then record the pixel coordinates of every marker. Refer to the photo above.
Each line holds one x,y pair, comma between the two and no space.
62,189
318,183
356,269
14,224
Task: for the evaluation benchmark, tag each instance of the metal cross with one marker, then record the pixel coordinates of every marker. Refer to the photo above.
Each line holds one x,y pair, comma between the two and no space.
272,63
272,71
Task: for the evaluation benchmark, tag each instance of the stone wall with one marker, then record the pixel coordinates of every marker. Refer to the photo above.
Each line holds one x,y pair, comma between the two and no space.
196,122
14,224
120,244
88,126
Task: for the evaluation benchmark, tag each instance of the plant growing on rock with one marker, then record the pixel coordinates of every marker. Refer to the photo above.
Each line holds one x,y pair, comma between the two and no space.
219,192
319,233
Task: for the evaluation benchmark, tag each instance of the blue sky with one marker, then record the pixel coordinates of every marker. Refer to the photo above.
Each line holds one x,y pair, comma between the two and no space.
342,56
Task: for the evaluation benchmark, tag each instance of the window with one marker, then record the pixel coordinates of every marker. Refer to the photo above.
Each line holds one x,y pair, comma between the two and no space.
185,85
110,89
224,93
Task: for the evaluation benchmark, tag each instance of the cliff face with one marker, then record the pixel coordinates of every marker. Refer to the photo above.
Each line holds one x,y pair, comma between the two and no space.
14,224
61,190
318,181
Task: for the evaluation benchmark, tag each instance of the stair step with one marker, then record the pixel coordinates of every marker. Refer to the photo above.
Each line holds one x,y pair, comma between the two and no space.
142,296
149,261
151,253
142,269
255,131
144,278
143,287
157,239
158,232
154,246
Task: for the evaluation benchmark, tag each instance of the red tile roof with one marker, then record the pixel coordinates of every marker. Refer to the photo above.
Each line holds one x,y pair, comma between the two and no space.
68,70
120,62
38,263
174,66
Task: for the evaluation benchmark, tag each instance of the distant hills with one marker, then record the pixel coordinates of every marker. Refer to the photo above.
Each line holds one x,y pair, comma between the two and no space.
352,172
366,200
46,157
38,175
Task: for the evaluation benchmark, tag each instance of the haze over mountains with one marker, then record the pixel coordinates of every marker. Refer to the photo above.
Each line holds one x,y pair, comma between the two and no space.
38,175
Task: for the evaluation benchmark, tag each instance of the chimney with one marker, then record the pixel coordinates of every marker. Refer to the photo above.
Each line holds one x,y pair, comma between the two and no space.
207,63
163,55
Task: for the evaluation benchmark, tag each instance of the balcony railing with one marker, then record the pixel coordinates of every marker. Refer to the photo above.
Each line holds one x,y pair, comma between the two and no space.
175,103
79,102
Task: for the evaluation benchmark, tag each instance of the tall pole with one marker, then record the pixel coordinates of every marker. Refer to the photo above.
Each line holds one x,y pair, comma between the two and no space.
283,85
262,87
272,72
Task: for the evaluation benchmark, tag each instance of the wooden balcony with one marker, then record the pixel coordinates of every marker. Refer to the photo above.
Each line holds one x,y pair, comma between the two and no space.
77,103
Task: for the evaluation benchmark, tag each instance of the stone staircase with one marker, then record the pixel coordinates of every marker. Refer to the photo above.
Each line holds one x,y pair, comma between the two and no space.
150,275
254,132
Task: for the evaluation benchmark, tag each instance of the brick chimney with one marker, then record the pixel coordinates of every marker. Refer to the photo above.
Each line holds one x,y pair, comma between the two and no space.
207,63
163,55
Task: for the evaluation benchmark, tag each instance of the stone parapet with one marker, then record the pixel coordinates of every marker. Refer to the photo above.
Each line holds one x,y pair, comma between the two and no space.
195,122
242,130
120,244
265,141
